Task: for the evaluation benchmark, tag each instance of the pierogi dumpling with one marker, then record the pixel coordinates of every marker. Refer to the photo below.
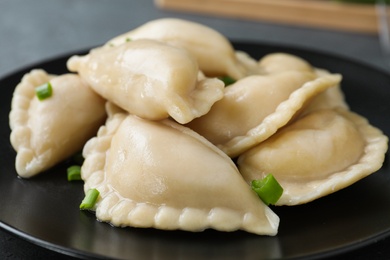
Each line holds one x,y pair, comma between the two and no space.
46,132
319,154
150,79
163,175
328,99
254,107
213,51
279,62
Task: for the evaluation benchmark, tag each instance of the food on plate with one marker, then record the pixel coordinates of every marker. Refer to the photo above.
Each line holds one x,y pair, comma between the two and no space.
179,130
149,79
45,132
213,51
256,106
329,99
320,153
278,62
162,174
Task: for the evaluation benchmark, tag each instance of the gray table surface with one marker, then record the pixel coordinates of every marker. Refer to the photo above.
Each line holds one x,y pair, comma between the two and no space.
31,31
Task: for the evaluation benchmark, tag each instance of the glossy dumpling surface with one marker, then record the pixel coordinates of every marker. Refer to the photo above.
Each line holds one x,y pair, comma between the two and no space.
163,175
46,132
320,153
213,51
256,106
150,79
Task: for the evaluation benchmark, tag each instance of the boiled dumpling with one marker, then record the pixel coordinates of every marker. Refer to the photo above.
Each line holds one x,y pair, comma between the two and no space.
150,79
279,62
322,152
256,106
250,64
46,132
163,175
246,103
328,99
214,53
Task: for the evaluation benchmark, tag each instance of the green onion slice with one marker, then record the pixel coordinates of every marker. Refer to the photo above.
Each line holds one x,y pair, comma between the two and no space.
227,80
44,91
90,198
74,173
268,189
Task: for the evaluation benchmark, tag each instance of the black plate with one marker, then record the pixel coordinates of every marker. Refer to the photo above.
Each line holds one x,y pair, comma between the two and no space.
44,210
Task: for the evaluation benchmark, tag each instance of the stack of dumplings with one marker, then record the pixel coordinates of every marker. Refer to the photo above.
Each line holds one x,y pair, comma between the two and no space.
159,129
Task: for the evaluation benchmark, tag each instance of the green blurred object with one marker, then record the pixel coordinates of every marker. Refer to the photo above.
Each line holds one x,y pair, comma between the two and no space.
227,80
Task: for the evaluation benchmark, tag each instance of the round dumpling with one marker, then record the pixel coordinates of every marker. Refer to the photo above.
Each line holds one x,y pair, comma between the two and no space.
328,99
161,174
213,51
320,153
150,79
45,132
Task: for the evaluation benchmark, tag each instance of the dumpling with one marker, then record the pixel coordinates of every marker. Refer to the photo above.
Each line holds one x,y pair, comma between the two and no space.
256,106
245,105
279,62
163,175
150,79
328,99
214,53
46,132
322,152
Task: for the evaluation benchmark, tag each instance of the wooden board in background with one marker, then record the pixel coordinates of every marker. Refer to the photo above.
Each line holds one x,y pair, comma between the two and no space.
314,13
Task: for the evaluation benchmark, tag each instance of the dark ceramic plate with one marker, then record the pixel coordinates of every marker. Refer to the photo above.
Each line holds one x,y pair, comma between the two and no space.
44,210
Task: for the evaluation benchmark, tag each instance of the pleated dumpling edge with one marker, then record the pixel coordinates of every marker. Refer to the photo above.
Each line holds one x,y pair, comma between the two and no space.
284,112
323,152
45,132
159,174
150,79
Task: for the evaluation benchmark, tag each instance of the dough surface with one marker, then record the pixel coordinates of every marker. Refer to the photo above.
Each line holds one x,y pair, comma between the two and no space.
163,175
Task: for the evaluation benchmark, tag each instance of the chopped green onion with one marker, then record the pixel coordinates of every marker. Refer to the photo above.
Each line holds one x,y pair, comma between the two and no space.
268,189
44,91
74,173
89,199
128,39
227,80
